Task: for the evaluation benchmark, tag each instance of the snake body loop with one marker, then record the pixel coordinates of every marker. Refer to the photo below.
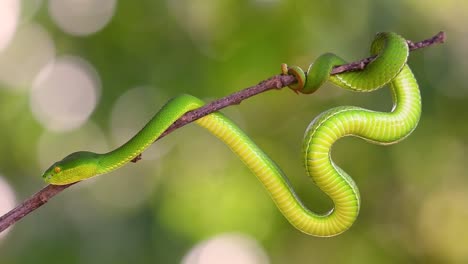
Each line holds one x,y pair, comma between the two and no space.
377,127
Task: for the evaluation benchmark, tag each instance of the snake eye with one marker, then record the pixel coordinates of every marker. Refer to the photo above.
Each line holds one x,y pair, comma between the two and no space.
57,169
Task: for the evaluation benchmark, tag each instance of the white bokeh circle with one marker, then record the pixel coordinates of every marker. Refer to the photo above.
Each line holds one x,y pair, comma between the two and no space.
227,249
81,18
29,51
65,93
7,201
9,16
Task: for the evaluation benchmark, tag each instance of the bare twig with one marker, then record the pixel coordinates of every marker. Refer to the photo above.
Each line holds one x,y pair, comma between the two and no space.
275,82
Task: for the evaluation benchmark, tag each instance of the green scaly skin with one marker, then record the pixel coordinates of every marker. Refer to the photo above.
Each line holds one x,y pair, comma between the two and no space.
377,127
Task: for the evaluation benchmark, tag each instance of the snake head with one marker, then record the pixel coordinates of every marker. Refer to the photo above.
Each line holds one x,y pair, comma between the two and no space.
73,168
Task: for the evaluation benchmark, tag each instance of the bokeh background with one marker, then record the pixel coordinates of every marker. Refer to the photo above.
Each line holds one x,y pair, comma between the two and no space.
86,75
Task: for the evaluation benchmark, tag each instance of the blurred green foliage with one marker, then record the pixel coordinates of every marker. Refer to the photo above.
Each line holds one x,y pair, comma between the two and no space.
414,194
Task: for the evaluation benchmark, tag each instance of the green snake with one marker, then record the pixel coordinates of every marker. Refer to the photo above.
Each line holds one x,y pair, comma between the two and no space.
377,127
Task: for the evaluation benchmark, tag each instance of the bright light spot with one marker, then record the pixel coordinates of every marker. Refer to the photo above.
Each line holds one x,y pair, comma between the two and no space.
29,51
442,222
65,94
131,113
53,146
9,14
7,201
227,249
82,17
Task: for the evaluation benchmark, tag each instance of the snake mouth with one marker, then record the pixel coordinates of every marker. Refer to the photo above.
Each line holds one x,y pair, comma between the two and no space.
53,180
47,177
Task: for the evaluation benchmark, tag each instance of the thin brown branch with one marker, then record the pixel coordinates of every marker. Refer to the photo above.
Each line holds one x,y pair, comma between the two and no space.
359,65
275,82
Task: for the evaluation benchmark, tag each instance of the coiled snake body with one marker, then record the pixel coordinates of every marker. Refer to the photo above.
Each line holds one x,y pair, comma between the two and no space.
377,127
